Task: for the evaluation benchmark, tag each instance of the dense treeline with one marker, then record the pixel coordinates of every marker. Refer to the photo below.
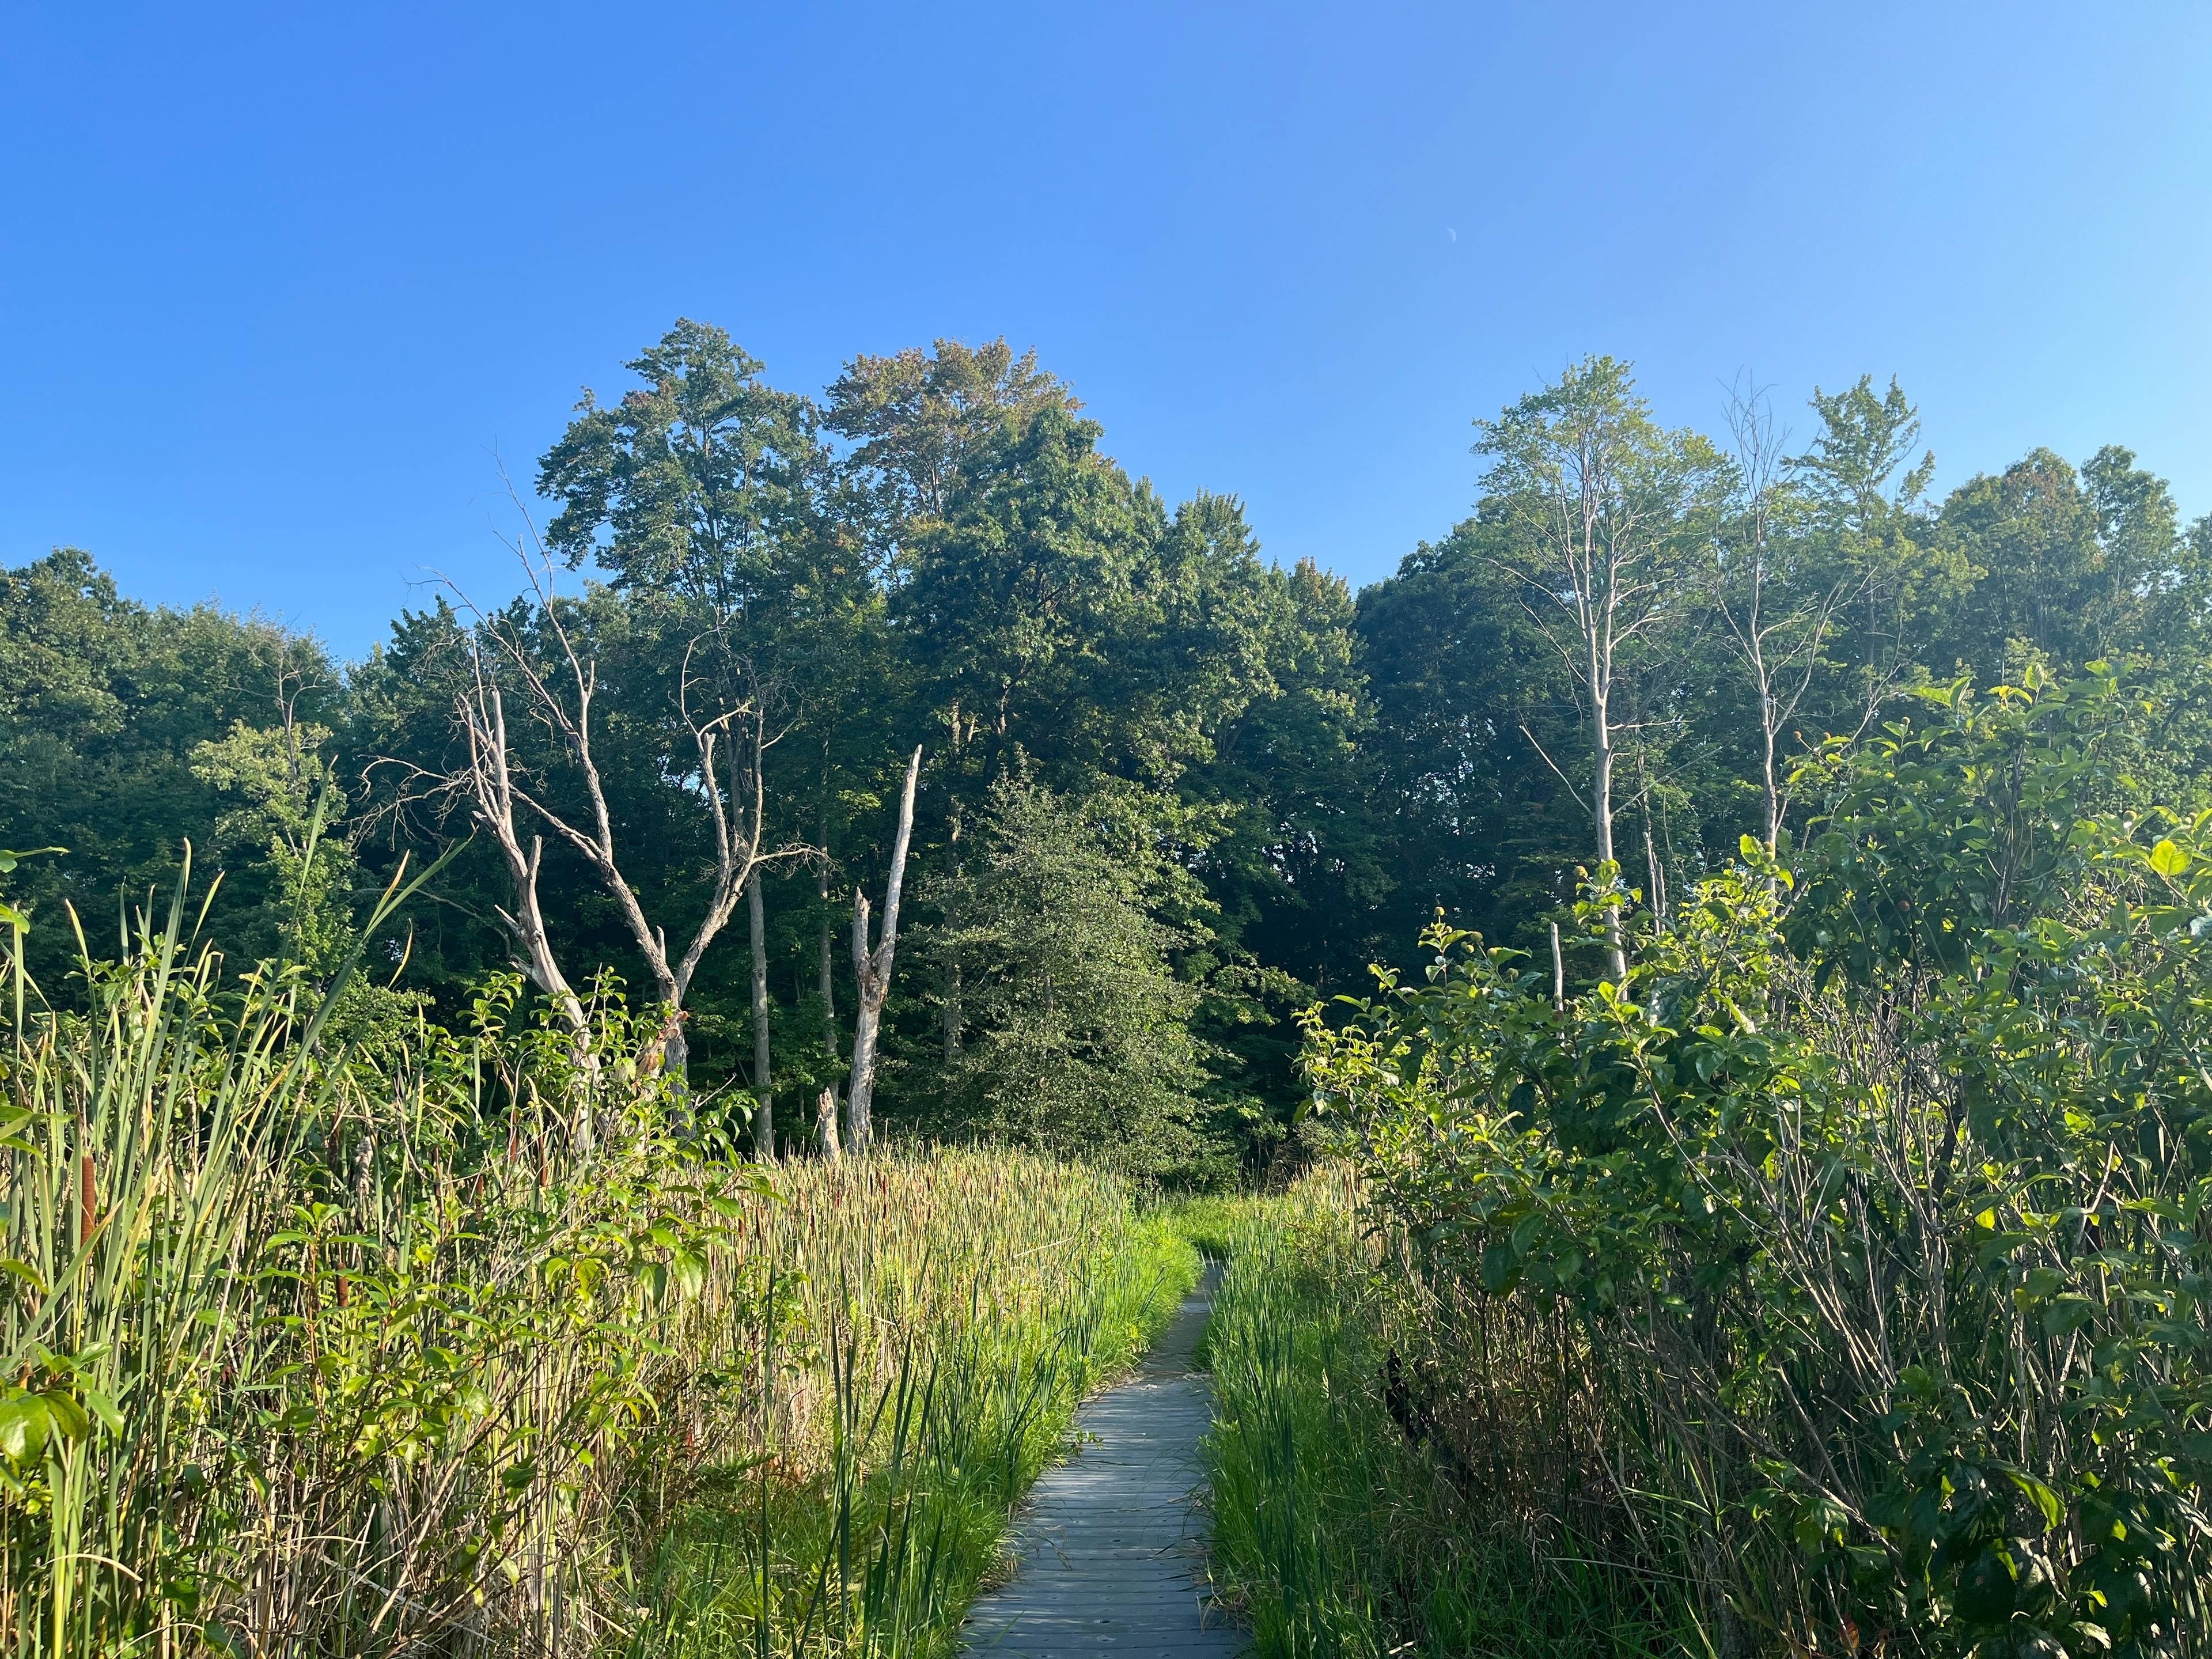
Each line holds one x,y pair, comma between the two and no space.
1170,792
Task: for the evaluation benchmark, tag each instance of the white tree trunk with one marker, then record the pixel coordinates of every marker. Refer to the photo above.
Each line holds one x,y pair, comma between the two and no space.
1601,802
828,980
951,1011
764,1109
860,1087
872,970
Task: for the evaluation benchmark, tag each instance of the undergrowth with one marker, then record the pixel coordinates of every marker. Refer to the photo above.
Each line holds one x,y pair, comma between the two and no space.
877,1538
1342,1523
478,1344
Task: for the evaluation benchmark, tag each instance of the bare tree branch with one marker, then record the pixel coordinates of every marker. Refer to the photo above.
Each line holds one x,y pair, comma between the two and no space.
543,659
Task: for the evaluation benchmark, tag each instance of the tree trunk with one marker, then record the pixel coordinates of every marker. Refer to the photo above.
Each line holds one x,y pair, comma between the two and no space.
1656,873
492,794
1654,869
1772,801
952,986
764,1110
872,970
861,1087
827,984
1602,816
825,1124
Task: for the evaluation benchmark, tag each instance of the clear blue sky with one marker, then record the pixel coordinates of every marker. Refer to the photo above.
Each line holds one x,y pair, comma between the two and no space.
277,283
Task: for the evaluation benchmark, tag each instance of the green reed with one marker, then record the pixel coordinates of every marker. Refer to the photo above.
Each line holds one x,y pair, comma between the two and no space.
872,1533
1343,1525
455,1348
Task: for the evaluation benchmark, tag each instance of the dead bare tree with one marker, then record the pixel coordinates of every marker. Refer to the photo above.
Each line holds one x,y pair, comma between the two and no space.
538,660
825,962
482,784
825,965
487,786
872,970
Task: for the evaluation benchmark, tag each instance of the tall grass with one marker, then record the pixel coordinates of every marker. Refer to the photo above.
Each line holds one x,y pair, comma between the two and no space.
1344,1522
317,1352
947,1345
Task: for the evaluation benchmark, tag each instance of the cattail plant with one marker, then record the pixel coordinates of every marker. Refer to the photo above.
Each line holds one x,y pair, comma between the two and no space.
317,1351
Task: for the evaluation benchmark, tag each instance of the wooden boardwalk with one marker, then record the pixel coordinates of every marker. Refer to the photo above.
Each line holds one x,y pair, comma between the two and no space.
1112,1543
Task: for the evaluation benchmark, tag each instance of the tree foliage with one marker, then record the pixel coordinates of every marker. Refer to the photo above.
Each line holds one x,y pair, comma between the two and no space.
1082,1042
942,550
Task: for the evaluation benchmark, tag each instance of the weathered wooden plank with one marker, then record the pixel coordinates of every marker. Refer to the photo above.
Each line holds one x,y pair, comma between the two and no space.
1111,1544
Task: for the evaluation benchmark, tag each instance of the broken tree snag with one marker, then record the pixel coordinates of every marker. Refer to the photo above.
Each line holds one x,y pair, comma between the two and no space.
764,1106
825,1123
872,970
826,964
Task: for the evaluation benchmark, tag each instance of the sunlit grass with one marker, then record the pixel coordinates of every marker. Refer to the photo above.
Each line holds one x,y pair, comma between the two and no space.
1339,1525
464,1347
876,1538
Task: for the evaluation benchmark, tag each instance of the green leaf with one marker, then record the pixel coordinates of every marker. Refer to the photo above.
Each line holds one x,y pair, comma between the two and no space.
2067,1313
2046,1500
102,1407
2168,859
25,1423
691,1270
2043,1283
69,1417
24,1271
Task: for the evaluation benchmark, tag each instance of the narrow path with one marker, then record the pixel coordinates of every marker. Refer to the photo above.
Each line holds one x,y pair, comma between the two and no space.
1112,1543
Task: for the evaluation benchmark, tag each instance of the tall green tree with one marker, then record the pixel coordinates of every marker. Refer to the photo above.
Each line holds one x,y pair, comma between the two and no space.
917,419
1469,695
103,703
1610,517
1863,487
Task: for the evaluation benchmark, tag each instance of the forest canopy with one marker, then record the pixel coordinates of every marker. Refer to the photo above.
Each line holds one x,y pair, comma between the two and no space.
1170,793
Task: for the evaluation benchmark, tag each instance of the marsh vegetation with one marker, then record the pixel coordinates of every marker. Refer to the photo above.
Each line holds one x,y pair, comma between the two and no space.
624,1122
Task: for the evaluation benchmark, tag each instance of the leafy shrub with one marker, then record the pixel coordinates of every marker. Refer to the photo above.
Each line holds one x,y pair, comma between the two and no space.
1338,1527
1846,1265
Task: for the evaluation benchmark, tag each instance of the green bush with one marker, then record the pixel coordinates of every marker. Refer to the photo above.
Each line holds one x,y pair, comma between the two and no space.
1846,1265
